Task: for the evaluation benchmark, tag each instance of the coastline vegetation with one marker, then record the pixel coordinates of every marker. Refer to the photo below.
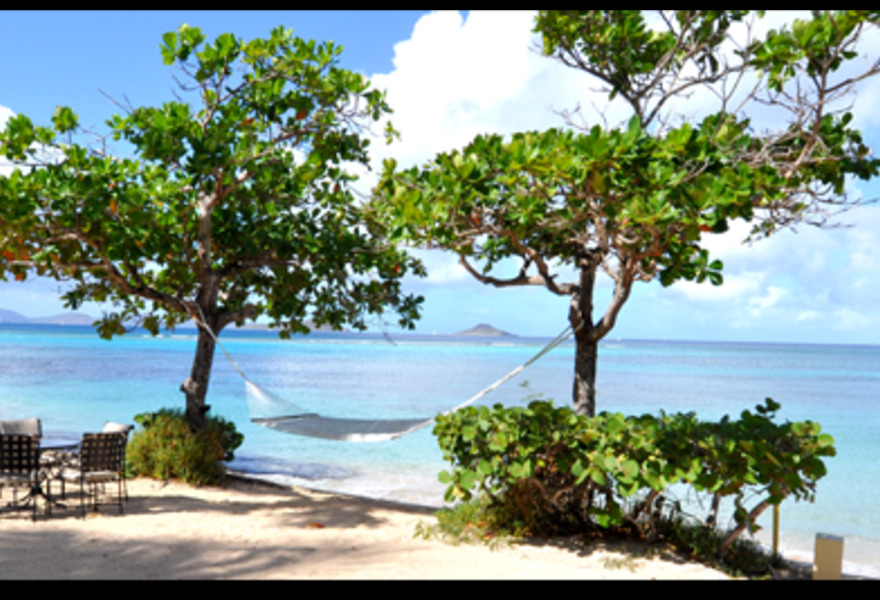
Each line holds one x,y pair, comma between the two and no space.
543,471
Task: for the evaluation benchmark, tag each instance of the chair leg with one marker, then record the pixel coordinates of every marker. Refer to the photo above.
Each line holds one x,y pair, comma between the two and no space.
48,498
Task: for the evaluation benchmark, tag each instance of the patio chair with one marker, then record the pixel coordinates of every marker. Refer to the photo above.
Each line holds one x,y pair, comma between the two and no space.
22,426
101,458
71,459
20,467
111,427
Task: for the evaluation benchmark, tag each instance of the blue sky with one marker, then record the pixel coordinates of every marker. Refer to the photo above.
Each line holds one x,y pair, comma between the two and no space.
450,76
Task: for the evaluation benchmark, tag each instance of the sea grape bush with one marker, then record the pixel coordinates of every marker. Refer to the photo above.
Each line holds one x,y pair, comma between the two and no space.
547,471
166,448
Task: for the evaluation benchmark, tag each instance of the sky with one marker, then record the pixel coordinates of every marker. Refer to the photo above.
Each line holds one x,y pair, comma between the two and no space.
449,76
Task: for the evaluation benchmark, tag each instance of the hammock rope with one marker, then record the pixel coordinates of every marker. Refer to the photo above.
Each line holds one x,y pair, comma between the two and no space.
295,420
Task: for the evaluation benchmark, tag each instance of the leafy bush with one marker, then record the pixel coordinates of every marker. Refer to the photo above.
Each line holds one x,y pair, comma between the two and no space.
548,471
165,448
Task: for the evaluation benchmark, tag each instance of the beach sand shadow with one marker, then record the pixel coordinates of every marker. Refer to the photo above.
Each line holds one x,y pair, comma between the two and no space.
252,530
295,508
268,533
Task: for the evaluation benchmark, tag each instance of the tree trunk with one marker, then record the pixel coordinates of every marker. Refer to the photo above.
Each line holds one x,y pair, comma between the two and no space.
196,385
735,533
586,339
584,393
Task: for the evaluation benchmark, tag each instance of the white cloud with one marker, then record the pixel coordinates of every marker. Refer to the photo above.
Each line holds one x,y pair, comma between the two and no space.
443,267
46,153
734,287
864,241
455,78
444,49
759,304
808,315
847,318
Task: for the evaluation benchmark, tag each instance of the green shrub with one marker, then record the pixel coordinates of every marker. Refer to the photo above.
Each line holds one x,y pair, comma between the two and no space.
466,522
165,448
547,471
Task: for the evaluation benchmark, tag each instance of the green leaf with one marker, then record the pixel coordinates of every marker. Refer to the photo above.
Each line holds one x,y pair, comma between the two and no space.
169,48
630,468
64,119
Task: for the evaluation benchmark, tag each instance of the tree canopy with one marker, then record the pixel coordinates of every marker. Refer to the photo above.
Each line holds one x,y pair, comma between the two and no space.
229,203
635,201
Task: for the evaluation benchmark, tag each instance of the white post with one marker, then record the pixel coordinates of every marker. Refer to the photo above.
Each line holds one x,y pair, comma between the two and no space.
828,557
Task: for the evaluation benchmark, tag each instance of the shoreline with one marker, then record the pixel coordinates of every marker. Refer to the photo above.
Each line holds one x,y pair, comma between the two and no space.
255,530
797,555
796,569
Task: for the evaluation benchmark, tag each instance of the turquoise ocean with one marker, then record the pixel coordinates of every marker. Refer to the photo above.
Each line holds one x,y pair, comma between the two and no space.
74,381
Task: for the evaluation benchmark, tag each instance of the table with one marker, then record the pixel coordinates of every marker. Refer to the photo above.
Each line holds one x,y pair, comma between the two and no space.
58,443
55,454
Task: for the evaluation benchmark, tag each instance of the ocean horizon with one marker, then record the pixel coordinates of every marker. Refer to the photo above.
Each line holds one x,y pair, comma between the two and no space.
74,381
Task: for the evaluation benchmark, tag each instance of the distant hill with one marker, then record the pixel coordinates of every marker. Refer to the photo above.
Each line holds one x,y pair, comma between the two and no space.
251,325
10,316
486,330
64,319
75,318
71,318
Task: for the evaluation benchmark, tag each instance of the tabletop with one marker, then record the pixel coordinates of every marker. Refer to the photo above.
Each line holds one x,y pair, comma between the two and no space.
57,443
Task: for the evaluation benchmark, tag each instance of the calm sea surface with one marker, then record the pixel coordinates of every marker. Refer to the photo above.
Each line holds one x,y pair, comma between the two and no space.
74,381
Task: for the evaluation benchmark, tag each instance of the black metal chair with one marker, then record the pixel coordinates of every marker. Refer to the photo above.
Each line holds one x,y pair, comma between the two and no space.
31,426
112,427
20,467
101,461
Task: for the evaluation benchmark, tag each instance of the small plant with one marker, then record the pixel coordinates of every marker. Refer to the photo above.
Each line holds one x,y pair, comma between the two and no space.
626,562
468,523
165,448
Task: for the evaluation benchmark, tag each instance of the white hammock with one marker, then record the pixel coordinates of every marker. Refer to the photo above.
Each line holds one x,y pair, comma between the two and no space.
271,411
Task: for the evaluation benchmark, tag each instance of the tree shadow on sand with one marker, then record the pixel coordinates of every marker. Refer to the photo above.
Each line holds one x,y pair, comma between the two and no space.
75,551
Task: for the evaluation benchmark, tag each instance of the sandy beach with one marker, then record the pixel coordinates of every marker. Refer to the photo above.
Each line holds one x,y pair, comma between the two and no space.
251,530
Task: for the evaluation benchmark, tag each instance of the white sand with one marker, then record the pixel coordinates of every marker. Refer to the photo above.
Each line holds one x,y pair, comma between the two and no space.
248,531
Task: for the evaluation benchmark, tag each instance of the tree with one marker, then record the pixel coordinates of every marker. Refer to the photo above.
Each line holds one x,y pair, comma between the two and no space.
237,208
635,201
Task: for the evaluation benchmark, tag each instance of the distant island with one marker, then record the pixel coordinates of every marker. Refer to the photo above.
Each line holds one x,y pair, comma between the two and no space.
8,317
252,325
485,330
71,318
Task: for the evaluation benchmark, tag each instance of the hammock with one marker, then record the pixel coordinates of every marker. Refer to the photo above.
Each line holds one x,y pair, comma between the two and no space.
271,411
297,421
